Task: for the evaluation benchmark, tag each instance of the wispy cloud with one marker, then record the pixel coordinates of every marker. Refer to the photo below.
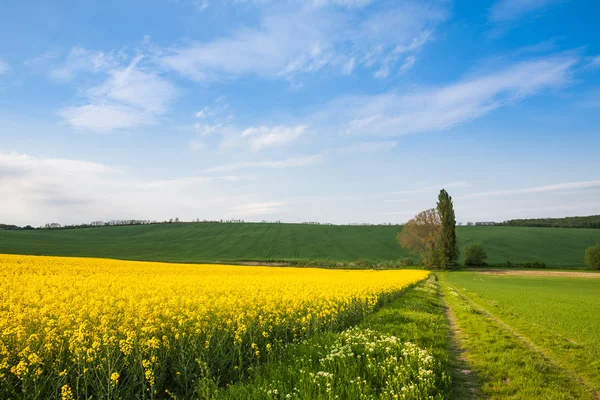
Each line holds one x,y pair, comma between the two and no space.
253,209
303,39
537,189
292,162
511,10
369,147
130,97
36,190
83,60
434,188
4,68
400,213
264,136
191,181
436,109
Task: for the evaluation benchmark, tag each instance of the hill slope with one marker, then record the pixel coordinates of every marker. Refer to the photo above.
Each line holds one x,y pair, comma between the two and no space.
261,242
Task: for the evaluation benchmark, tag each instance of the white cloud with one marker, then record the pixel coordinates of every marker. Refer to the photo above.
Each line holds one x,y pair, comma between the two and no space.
307,39
349,66
537,189
409,62
434,188
4,67
369,147
36,190
192,181
264,136
510,10
205,112
400,213
428,110
344,3
105,117
129,98
291,162
204,130
83,60
595,62
201,5
197,145
256,209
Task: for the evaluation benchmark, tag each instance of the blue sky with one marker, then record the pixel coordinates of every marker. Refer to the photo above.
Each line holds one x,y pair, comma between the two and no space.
319,110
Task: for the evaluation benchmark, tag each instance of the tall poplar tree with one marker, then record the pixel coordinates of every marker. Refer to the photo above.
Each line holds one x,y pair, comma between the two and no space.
448,245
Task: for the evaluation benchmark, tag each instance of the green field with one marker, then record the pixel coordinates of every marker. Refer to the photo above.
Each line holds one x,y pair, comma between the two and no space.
529,337
275,242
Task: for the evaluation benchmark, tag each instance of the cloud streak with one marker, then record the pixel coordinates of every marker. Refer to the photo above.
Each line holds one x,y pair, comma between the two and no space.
129,98
292,162
4,67
511,10
435,109
532,190
297,39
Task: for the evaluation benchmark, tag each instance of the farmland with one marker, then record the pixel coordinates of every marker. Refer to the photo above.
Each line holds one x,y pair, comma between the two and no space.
95,328
77,328
280,242
529,336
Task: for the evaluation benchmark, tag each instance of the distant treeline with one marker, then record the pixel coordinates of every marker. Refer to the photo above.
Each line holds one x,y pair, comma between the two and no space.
592,221
129,222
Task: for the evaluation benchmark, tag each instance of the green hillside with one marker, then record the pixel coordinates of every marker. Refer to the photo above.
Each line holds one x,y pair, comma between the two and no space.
261,242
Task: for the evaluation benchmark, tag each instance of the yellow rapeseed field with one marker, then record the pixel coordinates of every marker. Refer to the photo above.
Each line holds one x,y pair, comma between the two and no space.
82,327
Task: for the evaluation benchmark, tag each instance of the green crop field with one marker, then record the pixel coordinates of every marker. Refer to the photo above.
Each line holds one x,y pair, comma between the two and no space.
529,336
274,242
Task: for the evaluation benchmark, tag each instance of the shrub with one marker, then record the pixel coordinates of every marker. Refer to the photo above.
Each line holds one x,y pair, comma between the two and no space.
592,256
528,264
475,255
363,263
406,262
535,264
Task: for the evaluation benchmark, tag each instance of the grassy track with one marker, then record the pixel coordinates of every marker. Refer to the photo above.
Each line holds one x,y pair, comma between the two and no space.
261,242
529,337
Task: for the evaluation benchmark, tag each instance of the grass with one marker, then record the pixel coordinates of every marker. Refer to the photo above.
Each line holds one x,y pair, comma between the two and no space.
529,337
302,370
558,247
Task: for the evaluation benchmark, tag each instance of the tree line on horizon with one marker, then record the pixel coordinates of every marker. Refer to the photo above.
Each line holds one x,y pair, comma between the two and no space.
589,222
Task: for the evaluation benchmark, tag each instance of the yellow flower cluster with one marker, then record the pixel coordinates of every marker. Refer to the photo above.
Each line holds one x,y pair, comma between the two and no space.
105,327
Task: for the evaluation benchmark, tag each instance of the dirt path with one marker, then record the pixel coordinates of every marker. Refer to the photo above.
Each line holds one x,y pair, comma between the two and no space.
569,274
526,341
465,377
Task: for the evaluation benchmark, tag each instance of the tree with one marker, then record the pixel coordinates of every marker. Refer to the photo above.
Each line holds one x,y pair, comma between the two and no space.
475,254
592,256
421,235
448,245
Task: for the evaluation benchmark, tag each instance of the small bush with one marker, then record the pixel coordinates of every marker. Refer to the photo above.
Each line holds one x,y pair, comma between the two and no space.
475,255
363,263
535,264
406,262
592,256
528,264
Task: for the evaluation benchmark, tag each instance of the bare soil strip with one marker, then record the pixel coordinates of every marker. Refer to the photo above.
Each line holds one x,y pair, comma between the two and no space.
467,378
527,342
568,274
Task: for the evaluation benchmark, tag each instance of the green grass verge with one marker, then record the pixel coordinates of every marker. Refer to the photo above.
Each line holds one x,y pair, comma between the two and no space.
561,315
513,362
188,242
359,363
